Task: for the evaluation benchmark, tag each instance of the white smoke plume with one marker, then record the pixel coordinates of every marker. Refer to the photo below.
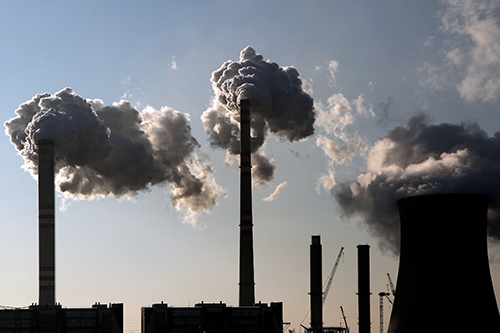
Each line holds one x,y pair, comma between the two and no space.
338,144
422,158
115,150
279,106
276,192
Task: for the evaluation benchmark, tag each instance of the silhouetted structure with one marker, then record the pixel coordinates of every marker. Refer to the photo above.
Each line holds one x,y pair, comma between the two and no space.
316,294
444,252
316,262
364,320
213,317
55,319
46,225
49,316
247,283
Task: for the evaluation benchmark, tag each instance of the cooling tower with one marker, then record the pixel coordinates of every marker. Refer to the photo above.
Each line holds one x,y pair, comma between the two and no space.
316,285
46,231
364,320
247,284
444,282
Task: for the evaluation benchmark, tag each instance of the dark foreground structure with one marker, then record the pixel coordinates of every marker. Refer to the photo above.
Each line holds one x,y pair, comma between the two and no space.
444,254
54,319
364,321
213,317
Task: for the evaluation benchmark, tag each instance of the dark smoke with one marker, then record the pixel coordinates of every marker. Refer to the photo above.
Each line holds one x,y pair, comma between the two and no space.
279,106
422,158
115,150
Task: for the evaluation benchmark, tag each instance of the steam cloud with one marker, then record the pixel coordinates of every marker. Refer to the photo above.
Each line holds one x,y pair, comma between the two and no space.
115,150
279,105
422,158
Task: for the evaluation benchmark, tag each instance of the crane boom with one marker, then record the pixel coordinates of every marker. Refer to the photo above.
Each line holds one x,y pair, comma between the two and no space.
393,290
332,274
345,320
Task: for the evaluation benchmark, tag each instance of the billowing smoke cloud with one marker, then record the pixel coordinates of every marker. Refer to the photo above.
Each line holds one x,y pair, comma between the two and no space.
115,150
422,158
279,106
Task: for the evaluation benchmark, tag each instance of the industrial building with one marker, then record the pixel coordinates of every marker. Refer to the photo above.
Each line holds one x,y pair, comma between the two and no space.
100,318
49,316
443,247
213,317
217,317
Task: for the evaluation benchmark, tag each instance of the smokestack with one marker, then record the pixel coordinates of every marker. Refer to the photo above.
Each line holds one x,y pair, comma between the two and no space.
316,285
444,274
247,284
46,231
364,288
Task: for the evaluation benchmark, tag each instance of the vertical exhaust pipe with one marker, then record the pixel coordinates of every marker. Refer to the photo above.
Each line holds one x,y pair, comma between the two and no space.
46,225
444,273
364,320
247,284
316,284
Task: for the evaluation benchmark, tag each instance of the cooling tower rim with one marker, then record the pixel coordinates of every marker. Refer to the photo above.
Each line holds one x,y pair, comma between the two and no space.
480,197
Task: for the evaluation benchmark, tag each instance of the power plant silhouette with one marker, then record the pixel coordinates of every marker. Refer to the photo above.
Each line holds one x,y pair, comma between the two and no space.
440,235
443,247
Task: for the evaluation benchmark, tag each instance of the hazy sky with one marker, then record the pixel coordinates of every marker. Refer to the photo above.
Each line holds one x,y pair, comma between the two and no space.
370,67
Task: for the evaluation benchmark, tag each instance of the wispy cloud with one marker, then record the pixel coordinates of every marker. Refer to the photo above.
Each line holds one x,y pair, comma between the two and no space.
470,50
276,192
173,64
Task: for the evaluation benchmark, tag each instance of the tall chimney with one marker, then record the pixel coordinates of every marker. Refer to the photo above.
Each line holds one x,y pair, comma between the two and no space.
364,293
46,231
316,285
247,284
444,282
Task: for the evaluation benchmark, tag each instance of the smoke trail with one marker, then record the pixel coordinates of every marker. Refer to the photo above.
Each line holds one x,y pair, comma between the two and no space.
115,150
421,158
276,192
280,106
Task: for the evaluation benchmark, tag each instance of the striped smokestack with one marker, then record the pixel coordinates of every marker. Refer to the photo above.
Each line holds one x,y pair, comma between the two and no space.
46,231
364,288
316,284
247,284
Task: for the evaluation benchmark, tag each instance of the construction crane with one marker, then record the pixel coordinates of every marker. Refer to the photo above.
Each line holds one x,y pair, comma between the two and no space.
345,320
328,284
381,303
332,274
393,290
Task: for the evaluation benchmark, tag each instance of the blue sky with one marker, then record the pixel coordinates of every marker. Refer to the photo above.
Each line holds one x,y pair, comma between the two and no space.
369,68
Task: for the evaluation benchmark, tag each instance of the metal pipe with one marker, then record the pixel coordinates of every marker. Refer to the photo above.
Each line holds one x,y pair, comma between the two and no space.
46,225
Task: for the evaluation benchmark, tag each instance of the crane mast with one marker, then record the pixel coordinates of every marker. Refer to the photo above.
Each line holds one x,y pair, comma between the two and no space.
381,303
